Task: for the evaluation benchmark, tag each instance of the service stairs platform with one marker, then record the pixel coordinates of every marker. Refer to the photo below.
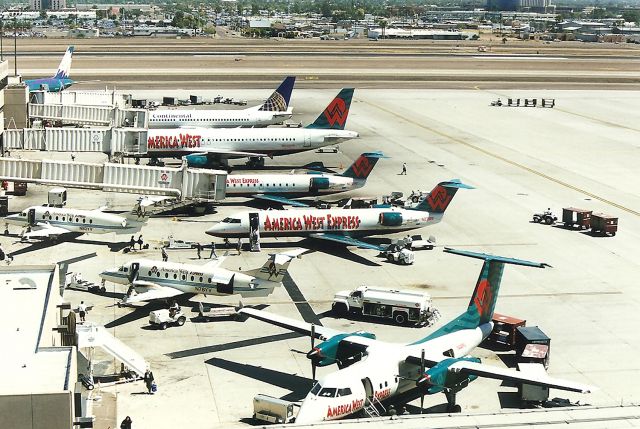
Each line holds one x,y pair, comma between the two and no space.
92,336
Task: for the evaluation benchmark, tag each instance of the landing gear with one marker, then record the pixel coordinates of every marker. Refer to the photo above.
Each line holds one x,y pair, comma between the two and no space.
452,407
256,162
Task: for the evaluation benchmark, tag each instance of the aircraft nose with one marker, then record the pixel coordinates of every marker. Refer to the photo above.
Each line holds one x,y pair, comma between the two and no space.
310,413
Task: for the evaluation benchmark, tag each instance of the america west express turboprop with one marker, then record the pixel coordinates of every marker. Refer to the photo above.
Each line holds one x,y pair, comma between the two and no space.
51,222
275,110
280,188
205,146
341,225
374,373
162,280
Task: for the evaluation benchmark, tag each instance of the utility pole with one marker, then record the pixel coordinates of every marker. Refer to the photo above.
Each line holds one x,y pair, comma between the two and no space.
15,47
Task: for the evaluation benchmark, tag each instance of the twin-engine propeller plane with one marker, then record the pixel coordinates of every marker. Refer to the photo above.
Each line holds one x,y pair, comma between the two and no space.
280,188
150,280
373,373
342,225
275,110
46,222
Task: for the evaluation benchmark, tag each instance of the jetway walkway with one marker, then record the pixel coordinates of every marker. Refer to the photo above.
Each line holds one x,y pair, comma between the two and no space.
183,184
92,336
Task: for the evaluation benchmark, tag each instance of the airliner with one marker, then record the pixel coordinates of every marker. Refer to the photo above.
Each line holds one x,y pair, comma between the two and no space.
205,146
152,280
59,81
51,222
280,188
342,225
374,374
275,110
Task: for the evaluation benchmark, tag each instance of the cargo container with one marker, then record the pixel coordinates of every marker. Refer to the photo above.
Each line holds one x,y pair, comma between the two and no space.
504,330
604,224
532,345
572,216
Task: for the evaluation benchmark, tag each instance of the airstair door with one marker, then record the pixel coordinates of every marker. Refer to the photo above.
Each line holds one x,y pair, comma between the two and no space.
135,270
254,231
31,217
368,388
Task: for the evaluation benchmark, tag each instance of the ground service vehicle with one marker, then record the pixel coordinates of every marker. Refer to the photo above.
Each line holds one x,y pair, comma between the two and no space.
399,255
546,217
163,318
273,410
403,306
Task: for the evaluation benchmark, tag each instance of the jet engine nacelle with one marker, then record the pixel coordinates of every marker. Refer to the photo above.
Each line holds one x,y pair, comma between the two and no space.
197,160
338,350
438,377
318,183
390,219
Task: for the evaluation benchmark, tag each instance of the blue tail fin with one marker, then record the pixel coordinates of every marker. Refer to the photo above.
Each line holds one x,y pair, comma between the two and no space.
363,166
485,295
439,198
334,117
279,100
64,69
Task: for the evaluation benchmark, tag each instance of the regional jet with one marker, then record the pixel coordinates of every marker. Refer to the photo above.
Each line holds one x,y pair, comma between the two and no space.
279,188
150,280
342,225
205,146
275,110
59,81
52,222
373,374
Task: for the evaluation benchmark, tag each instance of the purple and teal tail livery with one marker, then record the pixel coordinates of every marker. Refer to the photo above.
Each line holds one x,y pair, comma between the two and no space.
440,197
485,295
279,100
334,116
59,81
363,166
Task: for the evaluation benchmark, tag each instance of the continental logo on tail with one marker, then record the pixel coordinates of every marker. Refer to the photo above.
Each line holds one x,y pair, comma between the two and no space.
336,112
439,198
275,103
362,167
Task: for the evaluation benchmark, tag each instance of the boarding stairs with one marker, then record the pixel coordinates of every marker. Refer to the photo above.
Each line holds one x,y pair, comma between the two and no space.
92,336
373,407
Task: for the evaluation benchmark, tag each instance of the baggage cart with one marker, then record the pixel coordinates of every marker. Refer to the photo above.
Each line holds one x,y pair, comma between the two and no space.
604,224
572,216
504,330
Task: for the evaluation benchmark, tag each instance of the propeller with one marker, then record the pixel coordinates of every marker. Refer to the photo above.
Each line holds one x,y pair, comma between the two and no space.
421,375
314,354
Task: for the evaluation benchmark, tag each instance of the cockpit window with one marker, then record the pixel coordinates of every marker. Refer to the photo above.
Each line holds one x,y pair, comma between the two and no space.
344,392
327,392
230,220
316,388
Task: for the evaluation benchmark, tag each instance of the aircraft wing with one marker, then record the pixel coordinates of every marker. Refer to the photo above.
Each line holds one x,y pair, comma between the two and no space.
155,292
489,371
45,230
299,326
278,199
349,241
218,151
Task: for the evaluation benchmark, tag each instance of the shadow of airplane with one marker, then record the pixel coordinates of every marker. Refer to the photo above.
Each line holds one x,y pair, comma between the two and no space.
66,238
144,310
299,386
233,345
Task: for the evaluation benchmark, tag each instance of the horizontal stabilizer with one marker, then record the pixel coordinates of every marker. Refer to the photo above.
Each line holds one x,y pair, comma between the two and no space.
488,257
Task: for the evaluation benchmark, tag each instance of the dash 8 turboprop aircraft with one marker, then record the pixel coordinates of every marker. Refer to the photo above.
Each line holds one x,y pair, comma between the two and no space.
206,146
275,110
58,81
161,280
280,188
51,222
339,224
374,373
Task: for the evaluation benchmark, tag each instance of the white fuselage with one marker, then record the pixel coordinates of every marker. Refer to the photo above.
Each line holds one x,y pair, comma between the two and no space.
289,184
83,221
382,374
252,117
188,278
303,222
269,141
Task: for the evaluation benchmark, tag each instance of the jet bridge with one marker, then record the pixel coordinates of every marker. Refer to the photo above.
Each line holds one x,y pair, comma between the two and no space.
184,184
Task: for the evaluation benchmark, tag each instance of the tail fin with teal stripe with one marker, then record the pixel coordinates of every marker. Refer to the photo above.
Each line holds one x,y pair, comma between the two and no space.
485,295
